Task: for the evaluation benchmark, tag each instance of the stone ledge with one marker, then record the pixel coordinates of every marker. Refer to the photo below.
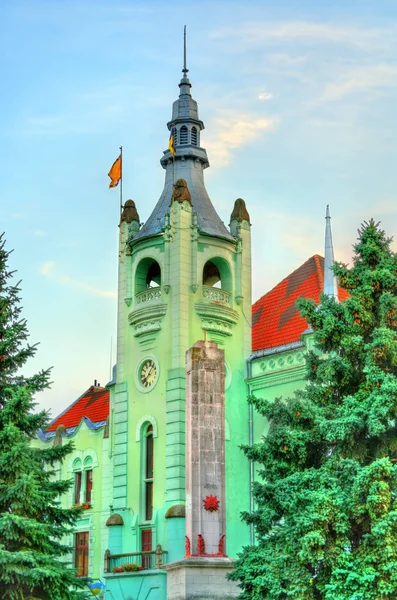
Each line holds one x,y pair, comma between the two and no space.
202,562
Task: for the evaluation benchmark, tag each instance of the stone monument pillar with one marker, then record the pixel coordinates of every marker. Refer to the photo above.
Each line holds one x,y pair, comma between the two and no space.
202,573
205,450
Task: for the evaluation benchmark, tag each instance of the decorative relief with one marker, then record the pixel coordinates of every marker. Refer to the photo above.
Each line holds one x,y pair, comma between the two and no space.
221,546
217,295
149,295
200,545
187,547
147,319
217,326
146,327
216,318
211,503
286,361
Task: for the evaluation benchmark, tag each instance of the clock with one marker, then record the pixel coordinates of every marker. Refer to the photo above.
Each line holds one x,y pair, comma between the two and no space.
147,374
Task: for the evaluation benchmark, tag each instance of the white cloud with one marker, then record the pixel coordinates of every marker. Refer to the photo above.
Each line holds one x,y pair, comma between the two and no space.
307,32
38,233
49,269
265,96
232,131
360,79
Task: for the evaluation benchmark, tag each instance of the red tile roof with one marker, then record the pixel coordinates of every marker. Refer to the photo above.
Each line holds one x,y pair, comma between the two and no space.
275,318
94,404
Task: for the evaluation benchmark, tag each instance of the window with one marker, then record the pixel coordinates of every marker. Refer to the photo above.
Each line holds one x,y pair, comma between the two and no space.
194,136
149,455
146,546
183,135
147,470
81,553
88,485
77,487
83,481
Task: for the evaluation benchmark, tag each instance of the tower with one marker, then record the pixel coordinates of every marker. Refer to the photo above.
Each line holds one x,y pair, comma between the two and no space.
183,277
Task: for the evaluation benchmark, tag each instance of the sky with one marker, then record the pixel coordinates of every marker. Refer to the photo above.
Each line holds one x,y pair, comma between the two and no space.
299,103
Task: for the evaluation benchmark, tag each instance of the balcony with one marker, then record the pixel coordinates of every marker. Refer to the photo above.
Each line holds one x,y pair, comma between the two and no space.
217,295
148,312
148,295
135,562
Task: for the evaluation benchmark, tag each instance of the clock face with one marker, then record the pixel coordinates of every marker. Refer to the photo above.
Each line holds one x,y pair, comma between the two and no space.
148,373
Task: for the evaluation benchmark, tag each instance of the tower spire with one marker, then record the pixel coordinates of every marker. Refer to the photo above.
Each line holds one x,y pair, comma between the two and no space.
330,282
187,163
185,69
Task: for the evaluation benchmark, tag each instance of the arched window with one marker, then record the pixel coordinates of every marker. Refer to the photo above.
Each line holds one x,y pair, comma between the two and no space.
147,275
88,480
82,495
183,135
216,273
147,471
149,474
194,136
77,481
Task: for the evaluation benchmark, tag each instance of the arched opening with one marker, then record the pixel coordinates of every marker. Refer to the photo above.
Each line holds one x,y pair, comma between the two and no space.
194,136
216,273
147,275
211,275
147,454
183,135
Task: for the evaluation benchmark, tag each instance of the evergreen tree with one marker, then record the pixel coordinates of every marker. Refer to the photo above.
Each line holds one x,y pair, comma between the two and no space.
326,516
32,522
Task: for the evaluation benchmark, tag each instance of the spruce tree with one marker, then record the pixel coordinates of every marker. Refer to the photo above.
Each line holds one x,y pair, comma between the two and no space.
326,498
32,522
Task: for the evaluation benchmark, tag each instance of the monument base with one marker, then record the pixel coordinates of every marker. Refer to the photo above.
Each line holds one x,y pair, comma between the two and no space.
200,578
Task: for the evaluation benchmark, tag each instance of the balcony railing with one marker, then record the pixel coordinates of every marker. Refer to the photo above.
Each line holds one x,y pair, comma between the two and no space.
148,295
133,562
217,295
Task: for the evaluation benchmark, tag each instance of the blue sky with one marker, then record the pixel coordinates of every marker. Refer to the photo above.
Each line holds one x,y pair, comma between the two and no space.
299,103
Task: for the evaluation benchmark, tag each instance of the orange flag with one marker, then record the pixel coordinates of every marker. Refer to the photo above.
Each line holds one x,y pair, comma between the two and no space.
115,172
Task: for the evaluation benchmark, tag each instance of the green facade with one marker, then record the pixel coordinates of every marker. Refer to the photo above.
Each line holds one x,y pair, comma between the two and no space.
183,277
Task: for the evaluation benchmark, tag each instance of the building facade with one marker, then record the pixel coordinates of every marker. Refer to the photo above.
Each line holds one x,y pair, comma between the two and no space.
157,464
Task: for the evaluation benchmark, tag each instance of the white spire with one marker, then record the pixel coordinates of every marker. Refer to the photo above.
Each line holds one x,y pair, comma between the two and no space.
330,282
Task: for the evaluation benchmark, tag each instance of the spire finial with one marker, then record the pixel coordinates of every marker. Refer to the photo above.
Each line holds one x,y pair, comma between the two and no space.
330,282
185,69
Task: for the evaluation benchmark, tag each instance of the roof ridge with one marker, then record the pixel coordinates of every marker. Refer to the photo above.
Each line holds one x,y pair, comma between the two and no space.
315,256
319,271
92,387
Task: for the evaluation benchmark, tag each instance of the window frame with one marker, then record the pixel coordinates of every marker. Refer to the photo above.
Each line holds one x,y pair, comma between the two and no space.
88,476
83,482
77,486
81,550
147,448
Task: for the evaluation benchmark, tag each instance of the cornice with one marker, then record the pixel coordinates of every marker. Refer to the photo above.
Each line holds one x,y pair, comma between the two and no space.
147,319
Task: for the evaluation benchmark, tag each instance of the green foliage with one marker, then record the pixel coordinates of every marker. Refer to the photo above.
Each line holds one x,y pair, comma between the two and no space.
32,522
326,516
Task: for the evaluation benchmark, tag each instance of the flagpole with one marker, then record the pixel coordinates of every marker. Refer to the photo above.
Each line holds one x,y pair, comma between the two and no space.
121,179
